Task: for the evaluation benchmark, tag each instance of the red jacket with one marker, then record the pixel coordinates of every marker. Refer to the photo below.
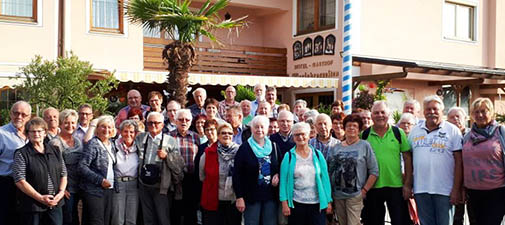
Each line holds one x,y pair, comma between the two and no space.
210,187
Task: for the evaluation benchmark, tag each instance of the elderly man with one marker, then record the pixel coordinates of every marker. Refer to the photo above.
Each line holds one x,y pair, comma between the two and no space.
157,152
199,95
245,105
51,116
85,117
134,101
388,142
298,109
228,101
187,142
259,92
172,108
271,97
436,146
12,137
264,109
412,106
366,117
323,141
284,138
234,117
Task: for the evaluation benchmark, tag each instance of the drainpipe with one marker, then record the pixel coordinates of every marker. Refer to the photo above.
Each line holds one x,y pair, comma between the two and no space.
61,28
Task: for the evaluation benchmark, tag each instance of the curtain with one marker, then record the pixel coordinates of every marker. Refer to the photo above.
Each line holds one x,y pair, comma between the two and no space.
22,8
105,13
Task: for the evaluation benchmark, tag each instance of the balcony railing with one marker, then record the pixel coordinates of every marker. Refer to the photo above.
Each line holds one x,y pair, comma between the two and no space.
227,59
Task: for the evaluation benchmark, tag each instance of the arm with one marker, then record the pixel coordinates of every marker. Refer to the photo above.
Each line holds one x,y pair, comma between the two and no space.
407,186
373,171
201,167
458,178
286,211
90,155
91,131
237,179
26,188
63,182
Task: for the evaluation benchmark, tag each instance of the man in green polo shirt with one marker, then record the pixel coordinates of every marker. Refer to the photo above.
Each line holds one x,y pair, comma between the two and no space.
388,144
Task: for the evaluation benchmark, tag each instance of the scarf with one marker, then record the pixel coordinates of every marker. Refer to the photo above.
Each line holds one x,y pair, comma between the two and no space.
478,135
227,153
122,146
260,152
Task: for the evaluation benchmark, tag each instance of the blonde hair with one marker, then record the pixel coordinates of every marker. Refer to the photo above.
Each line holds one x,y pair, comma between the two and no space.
106,119
482,101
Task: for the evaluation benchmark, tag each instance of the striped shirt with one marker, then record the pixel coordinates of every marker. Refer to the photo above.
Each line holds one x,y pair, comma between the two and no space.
324,147
188,147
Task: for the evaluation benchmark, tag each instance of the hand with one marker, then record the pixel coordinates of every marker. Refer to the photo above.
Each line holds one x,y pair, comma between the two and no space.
240,204
67,194
106,184
46,199
162,154
329,210
455,196
275,180
59,196
407,192
286,211
363,193
93,123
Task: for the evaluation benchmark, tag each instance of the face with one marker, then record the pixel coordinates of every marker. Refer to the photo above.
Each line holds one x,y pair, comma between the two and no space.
183,122
323,127
263,109
85,115
337,126
273,128
336,109
410,108
105,130
155,103
155,125
36,134
301,112
366,118
230,93
380,115
225,136
136,118
234,118
313,132
69,124
171,110
297,108
200,98
134,99
351,129
285,124
433,113
259,131
211,133
482,115
259,92
406,125
211,110
128,134
271,96
20,115
301,137
51,117
246,109
199,125
457,118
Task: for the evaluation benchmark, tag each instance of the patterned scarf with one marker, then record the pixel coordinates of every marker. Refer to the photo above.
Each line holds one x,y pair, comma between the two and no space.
478,135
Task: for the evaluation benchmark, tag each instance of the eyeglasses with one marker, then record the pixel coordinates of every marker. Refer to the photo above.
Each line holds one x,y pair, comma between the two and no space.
17,114
36,131
210,129
152,123
226,133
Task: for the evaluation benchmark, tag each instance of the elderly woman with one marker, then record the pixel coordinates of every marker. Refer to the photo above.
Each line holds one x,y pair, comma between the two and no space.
211,110
125,198
407,122
71,149
353,170
483,173
135,114
255,176
40,173
97,172
337,126
198,127
305,191
216,166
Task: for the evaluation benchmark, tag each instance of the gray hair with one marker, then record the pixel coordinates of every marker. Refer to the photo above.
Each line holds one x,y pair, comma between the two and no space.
200,90
151,114
412,102
323,116
130,123
311,121
260,119
456,109
182,112
381,102
409,117
46,110
301,101
305,127
85,105
106,119
262,86
66,113
21,102
174,102
311,113
286,113
433,98
245,101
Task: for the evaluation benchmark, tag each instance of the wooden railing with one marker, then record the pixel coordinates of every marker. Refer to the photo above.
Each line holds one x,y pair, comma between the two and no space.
227,59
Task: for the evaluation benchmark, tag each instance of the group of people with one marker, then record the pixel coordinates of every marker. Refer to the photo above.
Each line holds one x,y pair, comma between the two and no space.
251,162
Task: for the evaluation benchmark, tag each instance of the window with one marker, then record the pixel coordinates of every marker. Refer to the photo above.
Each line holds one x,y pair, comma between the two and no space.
107,16
18,10
459,21
315,15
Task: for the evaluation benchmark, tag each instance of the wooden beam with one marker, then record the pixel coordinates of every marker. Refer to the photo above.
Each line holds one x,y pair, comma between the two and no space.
382,76
491,86
455,82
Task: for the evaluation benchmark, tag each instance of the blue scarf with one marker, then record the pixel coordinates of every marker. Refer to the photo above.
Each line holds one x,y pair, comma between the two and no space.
260,152
478,135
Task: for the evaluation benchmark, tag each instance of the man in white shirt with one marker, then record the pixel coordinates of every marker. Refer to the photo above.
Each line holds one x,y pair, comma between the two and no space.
85,117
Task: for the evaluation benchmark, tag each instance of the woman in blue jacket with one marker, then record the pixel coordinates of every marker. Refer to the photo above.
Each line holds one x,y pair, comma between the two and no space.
305,191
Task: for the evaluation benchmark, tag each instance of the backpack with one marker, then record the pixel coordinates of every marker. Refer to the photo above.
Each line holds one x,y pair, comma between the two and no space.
396,132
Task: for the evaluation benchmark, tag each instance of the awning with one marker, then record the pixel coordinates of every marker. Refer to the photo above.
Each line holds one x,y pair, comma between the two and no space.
212,79
7,82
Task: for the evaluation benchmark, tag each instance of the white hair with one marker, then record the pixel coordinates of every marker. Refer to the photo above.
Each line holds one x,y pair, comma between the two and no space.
381,102
151,114
245,101
323,116
181,112
174,102
22,103
106,119
262,86
286,113
311,114
408,117
199,90
305,127
66,113
456,109
301,101
260,119
412,102
433,98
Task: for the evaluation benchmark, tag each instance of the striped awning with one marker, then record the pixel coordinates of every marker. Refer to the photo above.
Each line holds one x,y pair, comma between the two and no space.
213,79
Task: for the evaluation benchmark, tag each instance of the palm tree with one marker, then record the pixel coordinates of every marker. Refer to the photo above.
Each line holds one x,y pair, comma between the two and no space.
176,18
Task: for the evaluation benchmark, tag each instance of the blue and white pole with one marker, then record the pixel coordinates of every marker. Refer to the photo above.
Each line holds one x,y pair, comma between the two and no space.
347,60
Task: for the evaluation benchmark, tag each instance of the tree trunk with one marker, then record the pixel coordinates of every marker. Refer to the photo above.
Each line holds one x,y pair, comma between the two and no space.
179,57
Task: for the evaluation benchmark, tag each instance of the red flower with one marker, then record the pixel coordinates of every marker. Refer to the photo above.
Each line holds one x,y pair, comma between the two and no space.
371,85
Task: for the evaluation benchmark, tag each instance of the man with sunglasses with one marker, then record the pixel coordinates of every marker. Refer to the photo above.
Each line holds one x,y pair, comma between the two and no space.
12,137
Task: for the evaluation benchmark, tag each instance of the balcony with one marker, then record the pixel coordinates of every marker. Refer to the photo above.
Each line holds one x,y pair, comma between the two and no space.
226,59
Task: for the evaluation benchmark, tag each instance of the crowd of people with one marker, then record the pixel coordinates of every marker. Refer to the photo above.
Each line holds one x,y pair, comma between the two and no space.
251,162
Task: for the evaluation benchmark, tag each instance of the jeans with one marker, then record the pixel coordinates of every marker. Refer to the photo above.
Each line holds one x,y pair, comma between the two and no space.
70,211
98,209
375,210
226,214
307,214
266,210
434,209
126,203
50,217
8,214
488,205
155,206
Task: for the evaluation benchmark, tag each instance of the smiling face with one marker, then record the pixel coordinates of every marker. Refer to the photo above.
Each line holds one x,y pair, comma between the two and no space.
259,130
380,115
155,103
134,98
352,130
482,115
211,133
433,113
273,127
69,124
225,136
200,97
211,111
20,114
285,123
323,127
128,134
36,134
246,108
155,124
199,125
301,137
105,130
85,116
183,122
271,97
51,116
264,109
